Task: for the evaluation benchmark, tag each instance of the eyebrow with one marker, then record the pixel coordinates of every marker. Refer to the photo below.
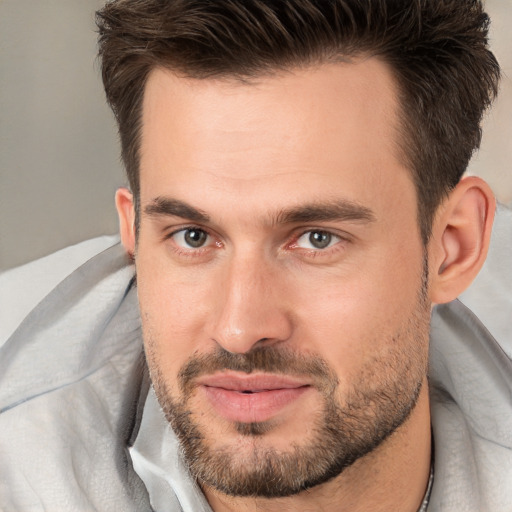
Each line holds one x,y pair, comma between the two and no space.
166,206
340,210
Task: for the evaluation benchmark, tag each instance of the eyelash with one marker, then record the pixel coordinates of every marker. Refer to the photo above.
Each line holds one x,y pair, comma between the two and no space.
189,253
309,253
326,253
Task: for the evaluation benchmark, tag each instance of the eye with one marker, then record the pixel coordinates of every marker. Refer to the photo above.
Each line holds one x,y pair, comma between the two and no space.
190,238
317,240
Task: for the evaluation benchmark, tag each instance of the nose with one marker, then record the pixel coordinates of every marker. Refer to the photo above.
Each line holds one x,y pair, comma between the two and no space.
251,308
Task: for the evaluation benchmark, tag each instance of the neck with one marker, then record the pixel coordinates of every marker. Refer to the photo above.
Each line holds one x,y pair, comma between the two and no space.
392,477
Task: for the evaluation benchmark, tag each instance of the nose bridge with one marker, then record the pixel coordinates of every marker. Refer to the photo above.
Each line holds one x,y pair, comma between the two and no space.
251,309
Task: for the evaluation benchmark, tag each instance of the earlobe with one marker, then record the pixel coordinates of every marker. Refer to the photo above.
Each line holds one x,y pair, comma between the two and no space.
460,238
126,214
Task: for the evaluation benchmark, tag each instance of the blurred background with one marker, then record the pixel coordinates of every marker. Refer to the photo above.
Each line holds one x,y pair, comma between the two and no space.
59,156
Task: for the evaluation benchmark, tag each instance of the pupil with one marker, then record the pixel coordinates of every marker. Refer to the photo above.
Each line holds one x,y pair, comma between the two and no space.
195,237
320,239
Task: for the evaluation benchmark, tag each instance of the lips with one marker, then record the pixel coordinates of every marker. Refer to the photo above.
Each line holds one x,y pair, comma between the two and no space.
251,398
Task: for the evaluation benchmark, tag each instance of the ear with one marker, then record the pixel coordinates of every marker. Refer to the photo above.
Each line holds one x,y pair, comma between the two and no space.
460,238
126,214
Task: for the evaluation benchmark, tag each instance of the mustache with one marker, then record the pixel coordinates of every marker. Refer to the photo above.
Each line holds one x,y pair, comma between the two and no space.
265,359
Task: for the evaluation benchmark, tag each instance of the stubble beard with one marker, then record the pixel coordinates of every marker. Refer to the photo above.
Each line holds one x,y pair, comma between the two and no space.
376,405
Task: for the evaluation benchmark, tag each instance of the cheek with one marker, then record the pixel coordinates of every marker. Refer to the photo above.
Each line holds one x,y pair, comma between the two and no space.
351,318
172,307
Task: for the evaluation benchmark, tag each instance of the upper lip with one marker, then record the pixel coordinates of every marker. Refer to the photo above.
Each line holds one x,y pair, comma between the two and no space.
235,381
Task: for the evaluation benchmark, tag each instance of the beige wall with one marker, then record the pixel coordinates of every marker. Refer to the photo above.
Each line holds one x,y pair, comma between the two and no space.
494,160
59,163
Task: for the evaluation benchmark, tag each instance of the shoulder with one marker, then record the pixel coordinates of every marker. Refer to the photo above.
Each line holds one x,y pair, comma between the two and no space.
470,377
490,295
22,288
79,304
474,331
70,374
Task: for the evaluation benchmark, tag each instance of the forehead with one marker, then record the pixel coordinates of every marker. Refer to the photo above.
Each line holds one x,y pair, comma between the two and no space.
330,128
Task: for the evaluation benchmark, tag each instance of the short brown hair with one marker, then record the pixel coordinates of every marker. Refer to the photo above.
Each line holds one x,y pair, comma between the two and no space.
437,49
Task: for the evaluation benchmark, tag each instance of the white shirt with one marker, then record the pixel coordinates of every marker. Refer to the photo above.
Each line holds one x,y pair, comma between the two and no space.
71,380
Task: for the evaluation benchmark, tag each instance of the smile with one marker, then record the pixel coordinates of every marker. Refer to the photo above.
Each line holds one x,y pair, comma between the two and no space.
251,398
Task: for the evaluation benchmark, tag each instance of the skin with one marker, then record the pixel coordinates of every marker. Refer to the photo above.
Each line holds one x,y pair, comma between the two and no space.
242,154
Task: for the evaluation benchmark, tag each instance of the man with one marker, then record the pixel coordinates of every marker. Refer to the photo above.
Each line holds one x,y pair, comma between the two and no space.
296,209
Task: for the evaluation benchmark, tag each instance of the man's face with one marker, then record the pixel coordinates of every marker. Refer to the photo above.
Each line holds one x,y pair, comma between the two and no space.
281,275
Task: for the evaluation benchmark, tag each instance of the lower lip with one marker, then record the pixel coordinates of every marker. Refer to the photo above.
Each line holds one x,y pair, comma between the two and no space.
251,407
